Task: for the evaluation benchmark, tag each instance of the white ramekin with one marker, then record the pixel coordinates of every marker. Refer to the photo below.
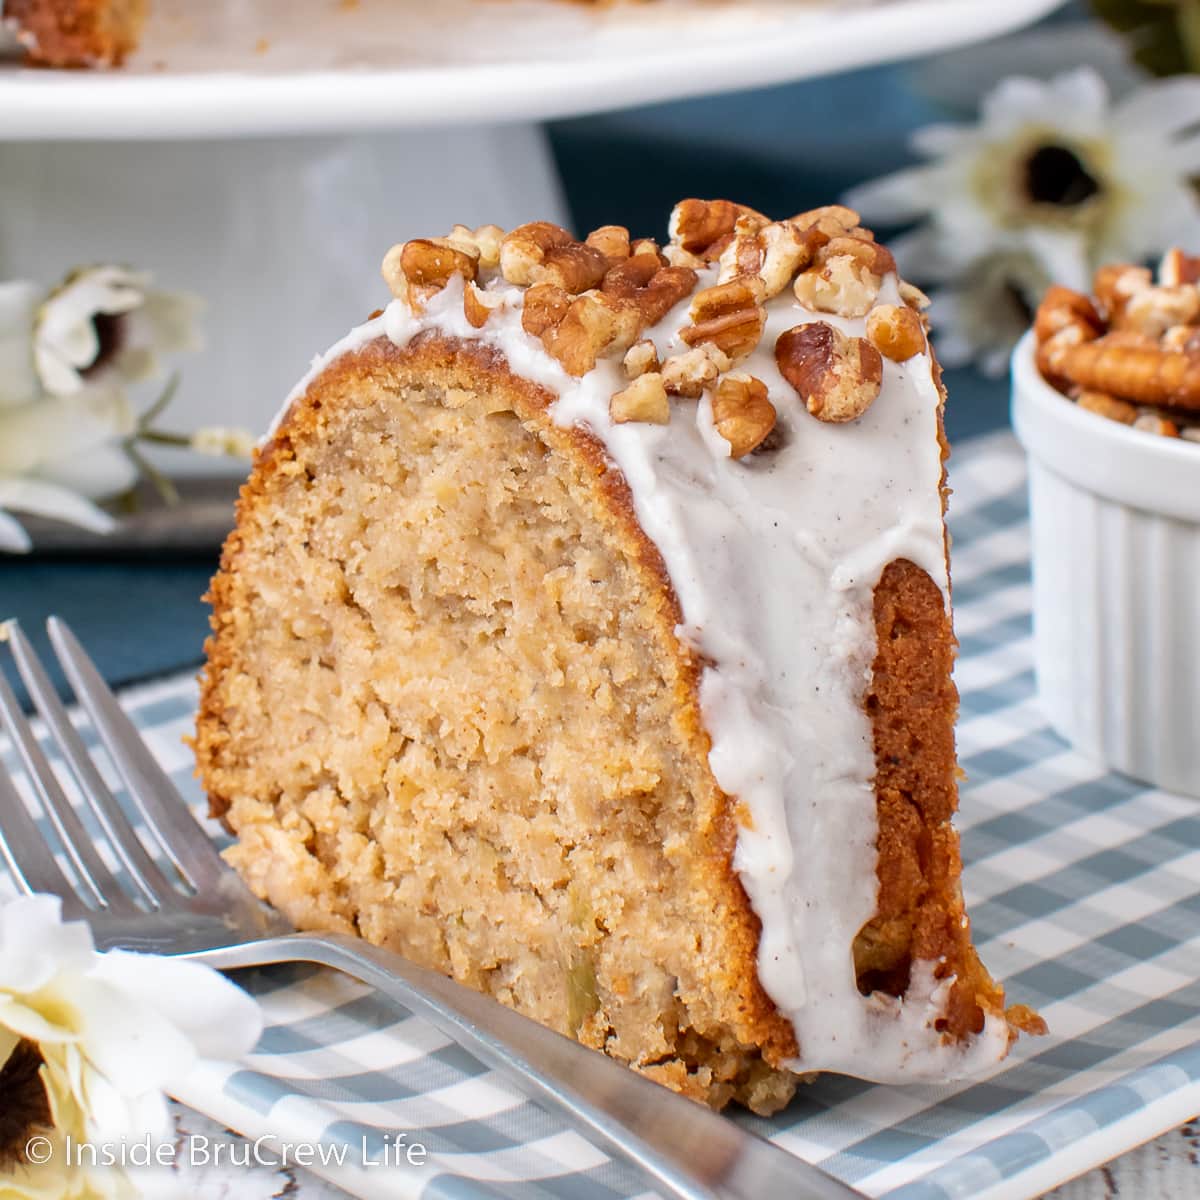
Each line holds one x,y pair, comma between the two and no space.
1115,517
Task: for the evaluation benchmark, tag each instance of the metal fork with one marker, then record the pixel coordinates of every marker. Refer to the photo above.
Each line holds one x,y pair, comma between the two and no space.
195,906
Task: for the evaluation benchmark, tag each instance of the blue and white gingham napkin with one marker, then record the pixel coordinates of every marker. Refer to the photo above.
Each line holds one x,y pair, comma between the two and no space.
1084,889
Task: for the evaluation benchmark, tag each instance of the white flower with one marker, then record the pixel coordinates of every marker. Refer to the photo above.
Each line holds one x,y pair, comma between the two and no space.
66,423
113,1031
1055,180
1104,181
109,319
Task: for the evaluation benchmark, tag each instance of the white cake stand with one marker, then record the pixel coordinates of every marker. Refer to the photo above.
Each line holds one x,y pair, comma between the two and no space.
265,154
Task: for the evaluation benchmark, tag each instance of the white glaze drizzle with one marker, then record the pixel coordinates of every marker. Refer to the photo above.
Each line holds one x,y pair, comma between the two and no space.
775,559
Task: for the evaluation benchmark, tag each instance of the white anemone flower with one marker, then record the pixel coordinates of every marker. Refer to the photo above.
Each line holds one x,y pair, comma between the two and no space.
59,455
109,319
111,1033
1101,180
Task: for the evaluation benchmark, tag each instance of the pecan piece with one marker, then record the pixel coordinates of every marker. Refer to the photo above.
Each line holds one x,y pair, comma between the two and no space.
705,227
1062,309
640,358
545,305
1114,285
742,413
474,308
1152,422
689,373
431,261
611,240
592,324
482,243
651,287
1143,374
1112,407
846,277
645,399
772,253
1154,310
832,220
1177,267
541,252
896,331
837,377
729,315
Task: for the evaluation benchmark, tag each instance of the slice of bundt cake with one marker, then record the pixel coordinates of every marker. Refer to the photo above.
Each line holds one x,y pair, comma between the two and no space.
585,634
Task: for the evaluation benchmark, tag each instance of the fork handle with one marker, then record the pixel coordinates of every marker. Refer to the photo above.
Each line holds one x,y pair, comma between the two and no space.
682,1145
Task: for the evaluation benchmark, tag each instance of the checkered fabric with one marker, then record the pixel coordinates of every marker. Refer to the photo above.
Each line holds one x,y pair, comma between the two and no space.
1084,889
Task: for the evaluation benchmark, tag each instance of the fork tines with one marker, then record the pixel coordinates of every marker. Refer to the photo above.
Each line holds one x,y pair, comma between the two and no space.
35,851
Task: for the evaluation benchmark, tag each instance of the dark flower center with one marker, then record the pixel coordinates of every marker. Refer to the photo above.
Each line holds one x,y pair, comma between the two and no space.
24,1105
110,334
1057,175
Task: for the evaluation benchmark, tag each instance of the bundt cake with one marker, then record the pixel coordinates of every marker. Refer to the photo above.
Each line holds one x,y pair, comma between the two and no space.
585,635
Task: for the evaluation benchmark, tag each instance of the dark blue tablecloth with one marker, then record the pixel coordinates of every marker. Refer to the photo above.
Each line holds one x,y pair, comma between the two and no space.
781,150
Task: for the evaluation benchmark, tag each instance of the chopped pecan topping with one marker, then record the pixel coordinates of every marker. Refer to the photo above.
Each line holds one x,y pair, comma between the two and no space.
483,244
837,377
846,277
832,220
896,331
742,414
729,315
705,227
645,399
541,252
545,305
431,261
689,373
611,240
416,270
772,253
651,287
593,324
640,358
475,308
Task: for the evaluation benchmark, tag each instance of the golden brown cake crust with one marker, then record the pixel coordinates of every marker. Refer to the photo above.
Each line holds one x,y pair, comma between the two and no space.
77,33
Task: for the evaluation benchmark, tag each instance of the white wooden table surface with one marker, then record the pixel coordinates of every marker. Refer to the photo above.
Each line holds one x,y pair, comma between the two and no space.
1165,1169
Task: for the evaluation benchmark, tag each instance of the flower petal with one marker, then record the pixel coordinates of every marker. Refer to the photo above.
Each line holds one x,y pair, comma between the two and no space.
219,1018
1163,108
56,428
902,196
13,538
100,474
51,500
129,1042
35,943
